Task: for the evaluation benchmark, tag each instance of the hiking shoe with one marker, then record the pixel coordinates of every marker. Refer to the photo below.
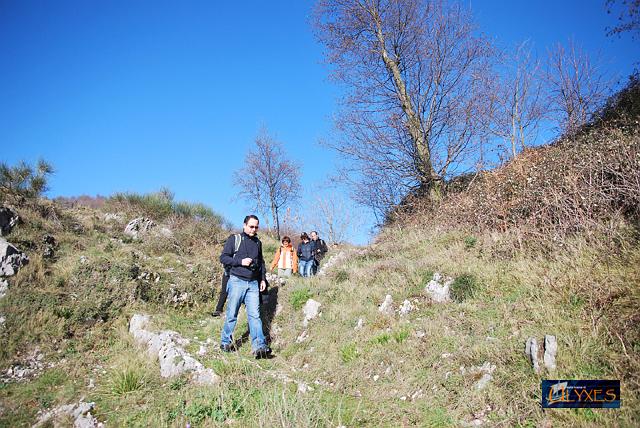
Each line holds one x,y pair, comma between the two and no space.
263,353
227,348
216,314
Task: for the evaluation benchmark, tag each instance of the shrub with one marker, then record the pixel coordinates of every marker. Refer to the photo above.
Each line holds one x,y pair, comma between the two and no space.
23,182
464,287
160,205
126,380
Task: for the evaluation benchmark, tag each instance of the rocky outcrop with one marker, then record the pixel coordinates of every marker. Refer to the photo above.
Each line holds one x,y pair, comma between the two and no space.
139,226
30,367
80,413
275,280
168,347
11,259
339,258
439,288
8,219
50,245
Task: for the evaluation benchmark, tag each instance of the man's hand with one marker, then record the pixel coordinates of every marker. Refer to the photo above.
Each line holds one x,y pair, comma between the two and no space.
263,285
246,261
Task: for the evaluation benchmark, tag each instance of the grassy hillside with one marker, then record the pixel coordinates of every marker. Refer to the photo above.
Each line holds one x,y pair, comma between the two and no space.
547,244
396,370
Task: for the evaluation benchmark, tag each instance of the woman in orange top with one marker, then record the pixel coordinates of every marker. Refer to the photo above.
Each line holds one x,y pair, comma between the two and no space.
285,258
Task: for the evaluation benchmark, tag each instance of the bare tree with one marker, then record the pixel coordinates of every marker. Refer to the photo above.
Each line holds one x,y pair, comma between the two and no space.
518,105
268,179
415,72
628,19
577,87
333,216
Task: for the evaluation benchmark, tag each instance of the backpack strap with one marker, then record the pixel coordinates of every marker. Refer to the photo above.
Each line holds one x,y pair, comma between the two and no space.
238,241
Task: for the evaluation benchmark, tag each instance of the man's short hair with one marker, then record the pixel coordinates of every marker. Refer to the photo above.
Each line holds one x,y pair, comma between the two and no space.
313,231
249,217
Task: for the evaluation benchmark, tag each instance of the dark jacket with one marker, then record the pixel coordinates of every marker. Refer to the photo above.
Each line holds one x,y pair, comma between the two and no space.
305,251
249,247
319,248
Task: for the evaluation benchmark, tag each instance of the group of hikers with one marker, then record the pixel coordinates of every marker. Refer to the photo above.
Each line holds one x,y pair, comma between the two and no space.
245,277
306,259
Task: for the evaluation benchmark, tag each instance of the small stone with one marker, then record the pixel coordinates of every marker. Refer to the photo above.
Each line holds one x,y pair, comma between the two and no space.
303,336
532,351
406,308
550,350
386,307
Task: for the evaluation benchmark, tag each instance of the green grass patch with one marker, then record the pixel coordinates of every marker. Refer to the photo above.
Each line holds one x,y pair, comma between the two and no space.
401,335
126,380
348,353
464,287
299,297
381,339
342,276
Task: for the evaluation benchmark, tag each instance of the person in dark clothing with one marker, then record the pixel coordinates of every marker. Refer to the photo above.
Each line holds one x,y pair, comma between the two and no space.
247,278
305,255
319,250
222,298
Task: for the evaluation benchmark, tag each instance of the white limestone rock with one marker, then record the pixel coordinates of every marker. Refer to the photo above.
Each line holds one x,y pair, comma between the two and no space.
11,259
8,219
405,308
439,288
4,287
168,347
311,310
138,226
532,351
550,350
386,307
79,412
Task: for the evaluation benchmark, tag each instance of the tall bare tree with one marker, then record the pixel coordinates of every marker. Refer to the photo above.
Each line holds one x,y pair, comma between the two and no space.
577,87
414,72
519,104
268,179
333,216
628,19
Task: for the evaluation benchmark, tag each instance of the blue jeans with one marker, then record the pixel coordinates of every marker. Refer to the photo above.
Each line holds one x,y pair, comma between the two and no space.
240,291
305,267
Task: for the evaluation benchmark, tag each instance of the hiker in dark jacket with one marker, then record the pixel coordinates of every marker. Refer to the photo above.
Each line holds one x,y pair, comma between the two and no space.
319,250
222,298
305,255
247,278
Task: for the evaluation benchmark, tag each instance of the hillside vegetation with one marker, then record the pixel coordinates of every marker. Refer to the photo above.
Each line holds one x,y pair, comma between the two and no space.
547,244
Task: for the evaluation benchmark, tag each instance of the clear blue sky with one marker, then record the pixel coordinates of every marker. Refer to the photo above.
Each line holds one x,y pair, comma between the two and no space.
136,95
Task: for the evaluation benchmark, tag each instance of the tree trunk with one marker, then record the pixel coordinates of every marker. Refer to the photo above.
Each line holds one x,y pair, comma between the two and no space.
427,174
